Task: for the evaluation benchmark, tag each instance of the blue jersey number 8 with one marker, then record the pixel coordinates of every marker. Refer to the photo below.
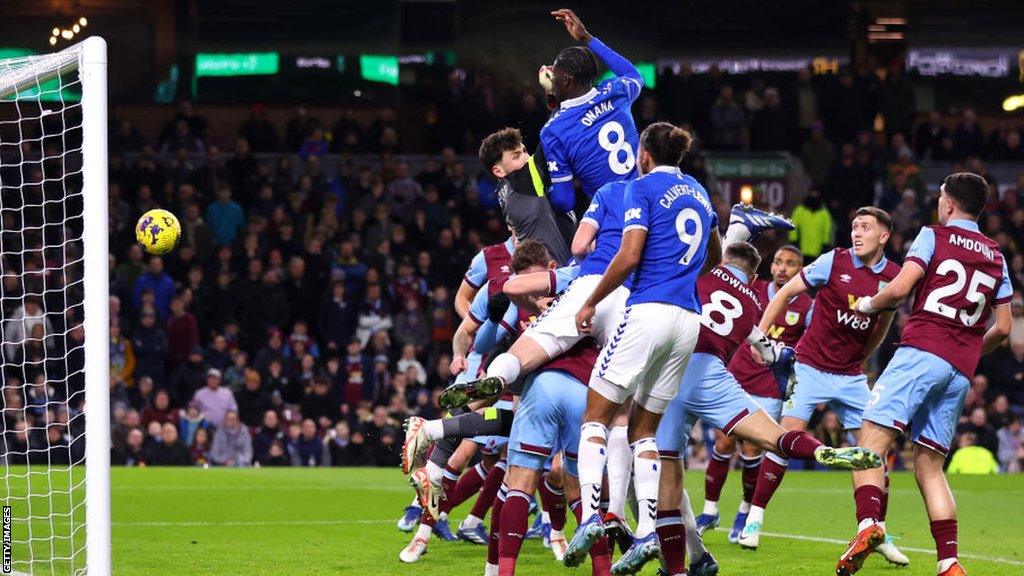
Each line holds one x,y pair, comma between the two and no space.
615,148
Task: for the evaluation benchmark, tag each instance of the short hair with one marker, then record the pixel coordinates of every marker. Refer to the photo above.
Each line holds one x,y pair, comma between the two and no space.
881,215
968,190
495,145
791,248
665,143
529,253
743,254
578,63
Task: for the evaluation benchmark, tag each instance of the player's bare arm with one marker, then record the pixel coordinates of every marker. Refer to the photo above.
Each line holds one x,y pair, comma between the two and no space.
714,255
583,241
464,297
525,289
461,343
622,264
573,25
894,292
878,333
1000,329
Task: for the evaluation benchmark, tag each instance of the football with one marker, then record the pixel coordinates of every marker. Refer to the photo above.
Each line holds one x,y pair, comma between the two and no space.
158,231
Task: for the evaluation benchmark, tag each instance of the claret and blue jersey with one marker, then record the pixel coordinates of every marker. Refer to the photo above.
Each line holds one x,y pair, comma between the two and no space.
593,137
677,214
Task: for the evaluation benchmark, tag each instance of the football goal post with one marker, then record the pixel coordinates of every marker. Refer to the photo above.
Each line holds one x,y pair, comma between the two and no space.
54,354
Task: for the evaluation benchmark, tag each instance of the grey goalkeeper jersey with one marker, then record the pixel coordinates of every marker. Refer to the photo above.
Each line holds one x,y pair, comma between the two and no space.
524,202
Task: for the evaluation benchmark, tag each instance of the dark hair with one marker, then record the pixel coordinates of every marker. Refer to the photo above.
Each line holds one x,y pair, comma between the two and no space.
968,190
791,248
529,253
881,215
578,63
495,145
743,254
665,143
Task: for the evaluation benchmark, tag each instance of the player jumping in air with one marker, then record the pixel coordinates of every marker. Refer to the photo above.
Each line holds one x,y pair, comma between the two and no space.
591,136
833,349
760,382
669,237
959,279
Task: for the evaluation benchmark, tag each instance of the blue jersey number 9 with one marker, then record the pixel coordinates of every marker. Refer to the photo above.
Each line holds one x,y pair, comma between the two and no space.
690,238
616,148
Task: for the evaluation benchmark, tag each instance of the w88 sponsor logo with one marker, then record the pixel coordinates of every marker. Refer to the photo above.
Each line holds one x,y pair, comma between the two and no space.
852,320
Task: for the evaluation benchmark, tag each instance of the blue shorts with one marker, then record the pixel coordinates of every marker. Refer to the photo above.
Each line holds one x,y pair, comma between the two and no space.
845,394
548,420
920,389
709,392
492,444
773,406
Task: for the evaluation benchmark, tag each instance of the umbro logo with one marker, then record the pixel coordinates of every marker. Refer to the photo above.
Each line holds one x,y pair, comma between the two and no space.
552,166
845,277
632,214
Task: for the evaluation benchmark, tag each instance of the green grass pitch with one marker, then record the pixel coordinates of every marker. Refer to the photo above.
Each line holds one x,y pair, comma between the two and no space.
342,521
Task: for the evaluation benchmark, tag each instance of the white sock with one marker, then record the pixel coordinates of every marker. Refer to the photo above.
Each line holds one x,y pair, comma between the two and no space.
694,543
646,476
735,233
556,535
945,564
545,518
490,569
710,507
881,525
756,514
442,516
424,531
744,507
433,429
591,458
620,467
434,472
415,501
470,522
505,366
865,523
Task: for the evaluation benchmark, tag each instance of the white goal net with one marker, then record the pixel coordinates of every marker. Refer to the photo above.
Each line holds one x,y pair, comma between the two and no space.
54,445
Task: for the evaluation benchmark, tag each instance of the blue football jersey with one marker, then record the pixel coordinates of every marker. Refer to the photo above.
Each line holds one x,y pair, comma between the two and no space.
678,216
605,214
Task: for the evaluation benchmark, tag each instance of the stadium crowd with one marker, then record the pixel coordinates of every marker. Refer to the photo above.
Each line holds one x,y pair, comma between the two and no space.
308,312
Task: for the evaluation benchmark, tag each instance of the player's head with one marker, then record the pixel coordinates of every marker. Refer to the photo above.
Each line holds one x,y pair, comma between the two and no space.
870,231
744,256
573,73
504,152
662,144
962,194
531,256
786,264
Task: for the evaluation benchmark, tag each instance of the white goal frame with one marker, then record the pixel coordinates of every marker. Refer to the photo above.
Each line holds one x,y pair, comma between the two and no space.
89,58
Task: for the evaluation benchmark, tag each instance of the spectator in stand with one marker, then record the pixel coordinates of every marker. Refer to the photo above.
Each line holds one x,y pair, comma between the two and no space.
770,128
199,449
728,121
970,458
268,433
319,404
213,400
978,425
182,333
225,217
316,144
1011,446
403,192
188,376
149,343
171,451
253,401
928,136
161,410
132,453
159,283
967,138
122,358
258,131
232,445
897,101
813,233
243,170
906,217
408,361
818,154
337,318
307,449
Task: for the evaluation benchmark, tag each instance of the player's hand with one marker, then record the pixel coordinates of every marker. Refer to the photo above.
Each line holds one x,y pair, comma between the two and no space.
458,365
573,25
756,355
863,305
585,319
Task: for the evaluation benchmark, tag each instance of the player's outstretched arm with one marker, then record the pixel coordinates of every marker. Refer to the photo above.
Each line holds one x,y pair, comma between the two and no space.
999,331
878,333
532,285
894,292
795,287
615,62
463,297
583,240
461,343
625,260
714,255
